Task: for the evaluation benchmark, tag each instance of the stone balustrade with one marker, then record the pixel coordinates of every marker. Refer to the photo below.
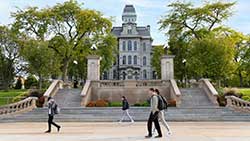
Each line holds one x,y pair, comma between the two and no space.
129,83
16,108
111,83
210,91
53,89
238,104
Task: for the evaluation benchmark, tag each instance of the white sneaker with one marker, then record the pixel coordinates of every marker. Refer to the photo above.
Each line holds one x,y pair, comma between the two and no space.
132,121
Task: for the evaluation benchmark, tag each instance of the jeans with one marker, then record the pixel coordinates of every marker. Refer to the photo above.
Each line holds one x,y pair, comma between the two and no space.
126,113
162,119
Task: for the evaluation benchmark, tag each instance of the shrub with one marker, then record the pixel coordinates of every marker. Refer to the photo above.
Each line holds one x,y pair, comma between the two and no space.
171,103
91,104
115,104
32,93
101,103
30,82
142,104
227,92
20,97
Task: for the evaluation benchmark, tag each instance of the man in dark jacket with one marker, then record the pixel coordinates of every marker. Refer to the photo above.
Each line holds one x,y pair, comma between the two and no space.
51,112
125,107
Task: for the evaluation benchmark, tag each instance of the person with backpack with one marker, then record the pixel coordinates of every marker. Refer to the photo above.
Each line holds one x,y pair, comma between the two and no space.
162,105
153,115
125,107
52,110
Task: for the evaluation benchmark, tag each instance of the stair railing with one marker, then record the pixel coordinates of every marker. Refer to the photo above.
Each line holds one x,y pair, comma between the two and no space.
237,104
22,106
210,91
53,89
175,92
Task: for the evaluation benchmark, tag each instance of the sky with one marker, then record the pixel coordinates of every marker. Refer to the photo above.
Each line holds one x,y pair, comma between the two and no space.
149,12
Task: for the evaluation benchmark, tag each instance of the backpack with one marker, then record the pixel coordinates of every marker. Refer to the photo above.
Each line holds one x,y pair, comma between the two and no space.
162,103
56,109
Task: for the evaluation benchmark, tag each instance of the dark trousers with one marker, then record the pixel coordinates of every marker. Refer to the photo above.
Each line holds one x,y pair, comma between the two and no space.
154,118
50,121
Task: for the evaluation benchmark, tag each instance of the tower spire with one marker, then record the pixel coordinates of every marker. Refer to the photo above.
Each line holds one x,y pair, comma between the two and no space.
129,14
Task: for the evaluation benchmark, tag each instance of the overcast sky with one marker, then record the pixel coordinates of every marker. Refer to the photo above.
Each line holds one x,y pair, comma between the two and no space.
148,12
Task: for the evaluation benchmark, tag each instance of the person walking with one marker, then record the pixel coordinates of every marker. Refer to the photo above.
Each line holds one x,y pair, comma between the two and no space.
153,115
161,115
52,110
125,107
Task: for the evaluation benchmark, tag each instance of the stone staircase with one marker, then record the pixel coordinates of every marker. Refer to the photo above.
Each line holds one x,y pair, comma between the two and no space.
68,97
194,97
195,107
78,114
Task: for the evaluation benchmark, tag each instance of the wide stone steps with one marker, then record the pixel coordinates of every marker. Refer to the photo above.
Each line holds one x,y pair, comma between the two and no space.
78,114
194,97
68,97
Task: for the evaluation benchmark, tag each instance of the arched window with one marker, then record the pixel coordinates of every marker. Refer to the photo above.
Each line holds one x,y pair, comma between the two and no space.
123,45
144,74
135,60
135,45
129,60
144,46
129,45
144,61
124,60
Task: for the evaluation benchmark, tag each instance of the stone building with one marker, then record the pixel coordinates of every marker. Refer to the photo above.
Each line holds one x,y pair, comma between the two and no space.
134,46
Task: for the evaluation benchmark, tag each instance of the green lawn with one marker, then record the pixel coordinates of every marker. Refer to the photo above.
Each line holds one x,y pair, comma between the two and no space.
246,93
6,96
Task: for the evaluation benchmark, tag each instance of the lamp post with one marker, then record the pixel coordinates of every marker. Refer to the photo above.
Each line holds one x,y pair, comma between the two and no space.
75,74
185,77
166,47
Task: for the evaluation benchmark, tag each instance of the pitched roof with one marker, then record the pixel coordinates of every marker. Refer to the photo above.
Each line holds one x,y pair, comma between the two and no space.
129,9
142,31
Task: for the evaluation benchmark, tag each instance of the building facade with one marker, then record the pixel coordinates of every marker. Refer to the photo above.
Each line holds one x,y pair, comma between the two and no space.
135,46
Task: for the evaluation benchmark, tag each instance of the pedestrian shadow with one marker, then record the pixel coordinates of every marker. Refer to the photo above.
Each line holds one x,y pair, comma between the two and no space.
132,138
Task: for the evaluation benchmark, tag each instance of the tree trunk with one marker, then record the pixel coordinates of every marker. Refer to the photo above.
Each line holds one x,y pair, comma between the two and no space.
65,69
241,79
40,81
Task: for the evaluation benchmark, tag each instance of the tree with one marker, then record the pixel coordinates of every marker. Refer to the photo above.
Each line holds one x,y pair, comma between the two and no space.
211,58
189,28
190,21
9,55
41,60
70,30
158,52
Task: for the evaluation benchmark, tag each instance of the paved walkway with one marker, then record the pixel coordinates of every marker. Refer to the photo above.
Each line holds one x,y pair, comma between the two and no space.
73,131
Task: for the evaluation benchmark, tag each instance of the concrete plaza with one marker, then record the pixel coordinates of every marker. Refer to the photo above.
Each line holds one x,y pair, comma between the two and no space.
87,131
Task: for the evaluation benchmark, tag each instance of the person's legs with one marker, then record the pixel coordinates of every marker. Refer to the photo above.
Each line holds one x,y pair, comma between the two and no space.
149,125
53,123
123,115
157,125
49,124
162,119
129,116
